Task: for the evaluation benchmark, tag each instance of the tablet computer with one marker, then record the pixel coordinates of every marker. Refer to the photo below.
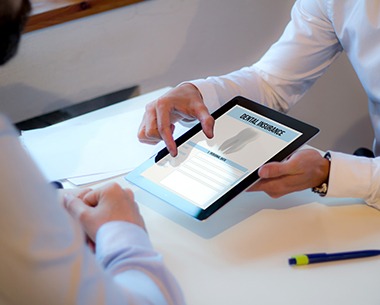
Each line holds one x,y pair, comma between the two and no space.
207,173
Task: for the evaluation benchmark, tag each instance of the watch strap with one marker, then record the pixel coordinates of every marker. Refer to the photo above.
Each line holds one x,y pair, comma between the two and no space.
322,189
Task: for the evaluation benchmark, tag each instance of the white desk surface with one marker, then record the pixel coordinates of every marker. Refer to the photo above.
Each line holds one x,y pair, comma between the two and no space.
239,255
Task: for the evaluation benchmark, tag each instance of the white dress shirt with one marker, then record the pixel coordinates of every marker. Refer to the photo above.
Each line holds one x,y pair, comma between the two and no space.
318,32
44,259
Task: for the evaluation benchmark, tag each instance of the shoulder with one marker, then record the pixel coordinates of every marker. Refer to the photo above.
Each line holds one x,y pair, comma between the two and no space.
316,8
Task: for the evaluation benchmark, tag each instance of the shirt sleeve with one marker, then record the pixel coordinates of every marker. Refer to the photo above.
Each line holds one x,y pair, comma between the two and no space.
125,251
288,69
44,258
355,177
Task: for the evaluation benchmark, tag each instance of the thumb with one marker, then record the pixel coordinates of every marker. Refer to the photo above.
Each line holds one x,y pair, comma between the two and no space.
274,170
75,206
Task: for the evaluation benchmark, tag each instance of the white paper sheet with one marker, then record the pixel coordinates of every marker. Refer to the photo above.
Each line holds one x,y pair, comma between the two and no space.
106,146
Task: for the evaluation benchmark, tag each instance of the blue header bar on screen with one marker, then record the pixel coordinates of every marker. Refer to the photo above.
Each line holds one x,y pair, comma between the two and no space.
264,124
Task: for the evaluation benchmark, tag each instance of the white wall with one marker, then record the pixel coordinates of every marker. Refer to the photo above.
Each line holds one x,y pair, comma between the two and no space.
163,42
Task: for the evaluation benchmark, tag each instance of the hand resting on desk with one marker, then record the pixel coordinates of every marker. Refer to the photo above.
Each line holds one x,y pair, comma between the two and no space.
93,208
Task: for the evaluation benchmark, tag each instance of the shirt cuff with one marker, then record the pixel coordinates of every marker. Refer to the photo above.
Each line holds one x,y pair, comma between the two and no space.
350,176
208,92
120,236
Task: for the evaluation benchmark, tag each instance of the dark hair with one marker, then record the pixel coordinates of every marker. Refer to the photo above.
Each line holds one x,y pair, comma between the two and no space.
11,26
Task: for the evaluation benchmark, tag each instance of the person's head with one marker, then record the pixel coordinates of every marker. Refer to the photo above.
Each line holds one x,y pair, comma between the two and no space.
13,16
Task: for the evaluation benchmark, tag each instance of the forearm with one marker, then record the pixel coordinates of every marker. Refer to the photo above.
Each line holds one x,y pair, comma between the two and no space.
252,83
44,258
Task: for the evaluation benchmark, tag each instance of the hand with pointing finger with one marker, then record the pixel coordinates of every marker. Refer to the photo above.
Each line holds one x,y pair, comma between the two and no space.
182,102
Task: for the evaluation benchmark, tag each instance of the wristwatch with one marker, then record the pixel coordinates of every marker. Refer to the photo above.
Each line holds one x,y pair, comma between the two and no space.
321,190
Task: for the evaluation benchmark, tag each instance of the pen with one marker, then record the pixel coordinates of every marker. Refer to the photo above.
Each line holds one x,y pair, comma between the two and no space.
57,184
306,259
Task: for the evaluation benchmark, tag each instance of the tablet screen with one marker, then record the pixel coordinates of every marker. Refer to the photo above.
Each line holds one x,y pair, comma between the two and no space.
207,173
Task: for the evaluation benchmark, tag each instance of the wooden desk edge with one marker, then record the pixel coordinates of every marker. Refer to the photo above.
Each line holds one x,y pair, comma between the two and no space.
48,13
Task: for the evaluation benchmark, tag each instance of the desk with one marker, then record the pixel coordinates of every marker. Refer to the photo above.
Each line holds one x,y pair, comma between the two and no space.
239,255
